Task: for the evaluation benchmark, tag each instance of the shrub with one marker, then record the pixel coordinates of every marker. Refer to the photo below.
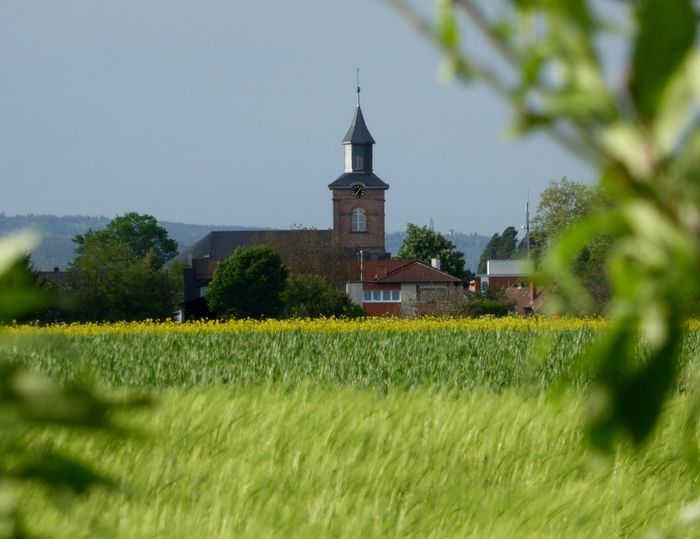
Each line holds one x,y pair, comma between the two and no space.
313,296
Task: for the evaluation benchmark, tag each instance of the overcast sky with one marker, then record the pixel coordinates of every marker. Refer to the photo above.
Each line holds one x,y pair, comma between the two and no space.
230,112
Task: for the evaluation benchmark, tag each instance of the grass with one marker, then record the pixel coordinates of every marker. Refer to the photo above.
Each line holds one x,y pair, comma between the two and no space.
429,432
378,360
530,358
274,462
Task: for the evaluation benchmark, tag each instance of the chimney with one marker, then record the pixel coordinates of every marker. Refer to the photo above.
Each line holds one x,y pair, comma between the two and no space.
435,262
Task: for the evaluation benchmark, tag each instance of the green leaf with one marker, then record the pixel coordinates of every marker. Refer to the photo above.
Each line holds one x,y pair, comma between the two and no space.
611,355
15,304
666,33
625,142
11,524
688,162
57,471
579,13
627,401
675,109
19,296
693,67
447,27
14,247
557,263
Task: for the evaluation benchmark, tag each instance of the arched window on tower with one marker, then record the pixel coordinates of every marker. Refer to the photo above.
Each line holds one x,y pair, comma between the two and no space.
359,162
359,220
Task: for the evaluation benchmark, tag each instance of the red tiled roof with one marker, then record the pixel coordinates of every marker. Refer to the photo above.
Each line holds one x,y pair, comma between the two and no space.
415,271
373,270
401,271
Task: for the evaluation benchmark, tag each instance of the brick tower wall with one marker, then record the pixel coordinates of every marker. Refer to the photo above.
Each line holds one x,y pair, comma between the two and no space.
373,203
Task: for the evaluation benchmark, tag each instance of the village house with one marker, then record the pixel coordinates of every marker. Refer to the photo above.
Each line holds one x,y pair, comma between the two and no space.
513,279
399,287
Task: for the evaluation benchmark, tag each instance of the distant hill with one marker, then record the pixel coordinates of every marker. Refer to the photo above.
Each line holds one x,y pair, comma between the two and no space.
57,249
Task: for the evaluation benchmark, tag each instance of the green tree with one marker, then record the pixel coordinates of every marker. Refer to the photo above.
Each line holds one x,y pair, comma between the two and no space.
248,284
499,247
423,244
118,272
141,233
110,282
313,296
643,138
562,204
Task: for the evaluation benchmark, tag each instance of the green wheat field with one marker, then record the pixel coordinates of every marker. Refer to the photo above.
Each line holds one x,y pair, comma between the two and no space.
457,432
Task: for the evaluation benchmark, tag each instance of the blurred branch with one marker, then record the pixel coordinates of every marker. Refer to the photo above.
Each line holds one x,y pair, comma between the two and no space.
584,146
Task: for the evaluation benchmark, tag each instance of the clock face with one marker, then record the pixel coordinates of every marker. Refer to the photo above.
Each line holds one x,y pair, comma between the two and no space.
358,191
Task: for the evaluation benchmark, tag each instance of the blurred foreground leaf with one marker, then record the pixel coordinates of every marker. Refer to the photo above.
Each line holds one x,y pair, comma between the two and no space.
28,401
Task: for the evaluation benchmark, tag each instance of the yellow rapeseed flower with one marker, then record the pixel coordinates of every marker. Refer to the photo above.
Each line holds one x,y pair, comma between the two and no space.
324,325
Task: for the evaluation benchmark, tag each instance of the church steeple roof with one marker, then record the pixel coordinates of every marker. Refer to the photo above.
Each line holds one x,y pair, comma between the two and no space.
358,155
358,132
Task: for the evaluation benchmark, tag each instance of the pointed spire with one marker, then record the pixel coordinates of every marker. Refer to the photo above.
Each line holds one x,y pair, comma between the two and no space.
358,132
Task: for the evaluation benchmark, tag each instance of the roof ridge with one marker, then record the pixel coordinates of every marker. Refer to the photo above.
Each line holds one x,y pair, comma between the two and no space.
438,270
414,262
401,267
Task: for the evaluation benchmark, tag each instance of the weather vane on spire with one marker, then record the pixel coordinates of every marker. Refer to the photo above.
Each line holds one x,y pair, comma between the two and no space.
358,85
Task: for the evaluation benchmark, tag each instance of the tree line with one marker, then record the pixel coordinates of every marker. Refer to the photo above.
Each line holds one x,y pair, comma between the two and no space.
120,271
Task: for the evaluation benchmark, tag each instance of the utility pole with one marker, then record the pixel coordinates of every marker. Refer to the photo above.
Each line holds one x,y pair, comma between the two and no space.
362,256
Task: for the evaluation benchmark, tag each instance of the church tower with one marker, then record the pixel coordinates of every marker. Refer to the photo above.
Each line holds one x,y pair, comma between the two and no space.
358,194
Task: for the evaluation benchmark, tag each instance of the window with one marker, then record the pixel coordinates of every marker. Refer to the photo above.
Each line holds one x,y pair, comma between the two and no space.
381,296
359,162
359,220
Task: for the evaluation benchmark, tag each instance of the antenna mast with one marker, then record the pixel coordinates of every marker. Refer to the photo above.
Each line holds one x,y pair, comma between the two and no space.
527,224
